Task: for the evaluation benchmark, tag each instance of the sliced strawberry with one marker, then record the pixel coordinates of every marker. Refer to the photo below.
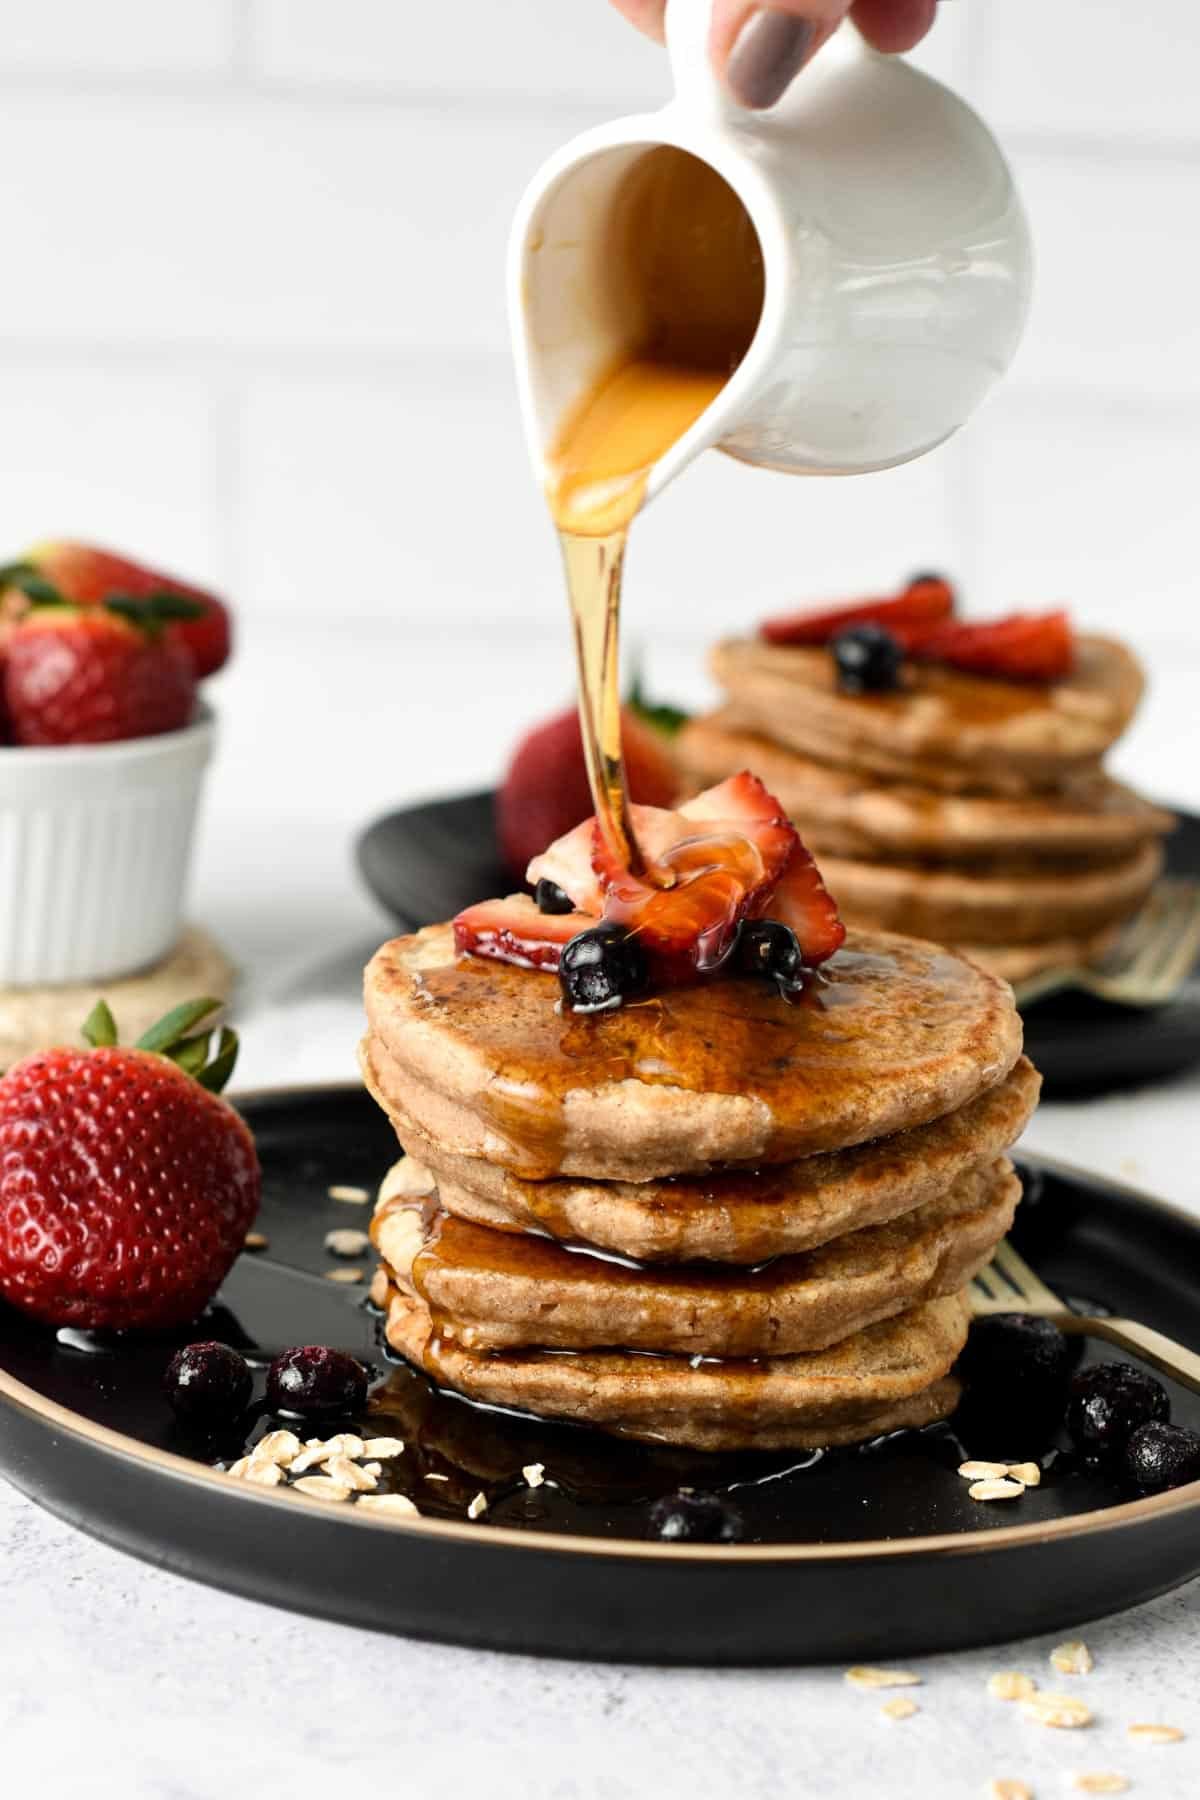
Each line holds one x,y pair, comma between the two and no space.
922,602
802,901
514,931
1023,647
568,861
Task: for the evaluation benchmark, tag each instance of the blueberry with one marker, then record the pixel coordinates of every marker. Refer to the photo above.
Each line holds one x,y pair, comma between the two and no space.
551,899
1107,1405
207,1384
927,575
767,948
600,968
1016,1369
314,1379
689,1517
1158,1457
1007,1349
867,659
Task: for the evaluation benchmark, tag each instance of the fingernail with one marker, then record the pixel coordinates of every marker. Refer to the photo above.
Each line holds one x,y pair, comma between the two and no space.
769,50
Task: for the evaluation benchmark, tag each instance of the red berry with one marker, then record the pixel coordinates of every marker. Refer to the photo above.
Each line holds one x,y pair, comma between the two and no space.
802,901
84,675
126,1189
546,789
925,600
86,576
1023,647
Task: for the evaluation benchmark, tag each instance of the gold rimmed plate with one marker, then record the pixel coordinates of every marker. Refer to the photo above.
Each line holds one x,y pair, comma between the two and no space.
856,1554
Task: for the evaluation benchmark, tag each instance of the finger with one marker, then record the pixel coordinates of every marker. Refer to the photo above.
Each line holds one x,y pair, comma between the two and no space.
647,15
894,24
761,49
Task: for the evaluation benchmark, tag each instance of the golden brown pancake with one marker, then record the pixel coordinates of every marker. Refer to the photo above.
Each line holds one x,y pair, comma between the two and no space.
853,813
495,1290
1019,963
944,729
740,1216
892,1033
974,906
889,1376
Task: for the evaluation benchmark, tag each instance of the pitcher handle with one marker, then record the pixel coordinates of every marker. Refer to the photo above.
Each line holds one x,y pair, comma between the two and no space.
697,87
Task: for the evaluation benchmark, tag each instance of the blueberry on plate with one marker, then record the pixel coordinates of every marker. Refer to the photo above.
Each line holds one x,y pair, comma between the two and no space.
767,948
550,898
1107,1405
207,1384
313,1379
600,968
1005,1350
1158,1457
867,659
690,1517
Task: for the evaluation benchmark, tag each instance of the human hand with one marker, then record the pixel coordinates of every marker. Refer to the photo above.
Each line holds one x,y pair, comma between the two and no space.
758,50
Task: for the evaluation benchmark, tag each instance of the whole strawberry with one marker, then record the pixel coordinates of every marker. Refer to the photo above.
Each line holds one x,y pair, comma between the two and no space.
96,674
126,1183
86,576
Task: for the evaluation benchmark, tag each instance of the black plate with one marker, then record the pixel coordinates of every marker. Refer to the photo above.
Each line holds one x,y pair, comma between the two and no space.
427,862
863,1553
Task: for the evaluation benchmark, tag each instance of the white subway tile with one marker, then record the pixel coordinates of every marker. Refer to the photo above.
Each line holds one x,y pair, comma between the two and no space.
1096,67
256,221
118,37
412,497
579,49
124,458
1117,271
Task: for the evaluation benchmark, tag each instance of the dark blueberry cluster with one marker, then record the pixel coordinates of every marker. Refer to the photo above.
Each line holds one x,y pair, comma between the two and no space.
772,950
208,1384
312,1379
692,1517
550,898
868,660
1016,1369
1160,1456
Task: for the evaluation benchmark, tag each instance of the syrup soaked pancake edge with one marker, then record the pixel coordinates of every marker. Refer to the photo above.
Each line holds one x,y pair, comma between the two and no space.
892,1033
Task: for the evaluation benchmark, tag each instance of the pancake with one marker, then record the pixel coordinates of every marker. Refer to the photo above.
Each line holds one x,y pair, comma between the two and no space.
957,906
1018,963
845,813
944,729
882,1379
494,1290
744,1216
892,1033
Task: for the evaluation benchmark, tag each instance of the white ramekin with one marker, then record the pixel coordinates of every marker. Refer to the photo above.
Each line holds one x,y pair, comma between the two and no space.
95,841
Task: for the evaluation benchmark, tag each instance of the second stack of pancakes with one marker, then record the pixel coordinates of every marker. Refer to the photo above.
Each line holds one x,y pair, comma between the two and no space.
718,1217
967,809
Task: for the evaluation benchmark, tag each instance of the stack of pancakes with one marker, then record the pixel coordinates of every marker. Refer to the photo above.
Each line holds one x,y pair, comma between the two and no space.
966,809
716,1217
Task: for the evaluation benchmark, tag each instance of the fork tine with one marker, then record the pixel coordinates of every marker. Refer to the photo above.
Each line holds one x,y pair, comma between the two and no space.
993,1285
1030,1287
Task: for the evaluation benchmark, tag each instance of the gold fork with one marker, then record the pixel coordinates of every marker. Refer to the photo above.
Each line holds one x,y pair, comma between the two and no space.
1008,1284
1153,957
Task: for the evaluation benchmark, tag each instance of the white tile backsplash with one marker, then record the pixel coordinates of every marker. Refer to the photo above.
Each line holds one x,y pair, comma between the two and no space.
256,326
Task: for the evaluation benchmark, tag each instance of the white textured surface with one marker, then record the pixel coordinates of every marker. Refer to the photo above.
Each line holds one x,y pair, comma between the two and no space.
243,226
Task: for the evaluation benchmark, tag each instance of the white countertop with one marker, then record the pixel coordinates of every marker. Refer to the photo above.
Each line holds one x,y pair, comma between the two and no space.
137,1683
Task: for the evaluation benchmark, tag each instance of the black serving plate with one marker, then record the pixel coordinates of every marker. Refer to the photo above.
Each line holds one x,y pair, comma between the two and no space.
853,1554
427,862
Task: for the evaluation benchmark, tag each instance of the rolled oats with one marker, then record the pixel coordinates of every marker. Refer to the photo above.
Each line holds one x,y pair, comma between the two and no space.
383,1447
350,1474
263,1474
397,1504
320,1487
864,1677
1155,1734
256,1240
1008,1790
1099,1782
996,1490
347,1277
1063,1711
1072,1658
477,1507
982,1471
1029,1474
347,1242
276,1447
352,1196
534,1474
1010,1684
899,1708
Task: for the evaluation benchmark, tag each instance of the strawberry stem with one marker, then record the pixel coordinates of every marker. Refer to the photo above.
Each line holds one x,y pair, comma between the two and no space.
172,1029
217,1073
151,612
30,582
100,1028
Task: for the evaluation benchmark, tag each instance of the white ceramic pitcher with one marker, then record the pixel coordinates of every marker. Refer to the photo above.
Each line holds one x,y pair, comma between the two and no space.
896,259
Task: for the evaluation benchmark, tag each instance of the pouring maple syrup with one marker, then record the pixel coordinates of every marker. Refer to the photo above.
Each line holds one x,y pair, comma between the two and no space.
693,269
